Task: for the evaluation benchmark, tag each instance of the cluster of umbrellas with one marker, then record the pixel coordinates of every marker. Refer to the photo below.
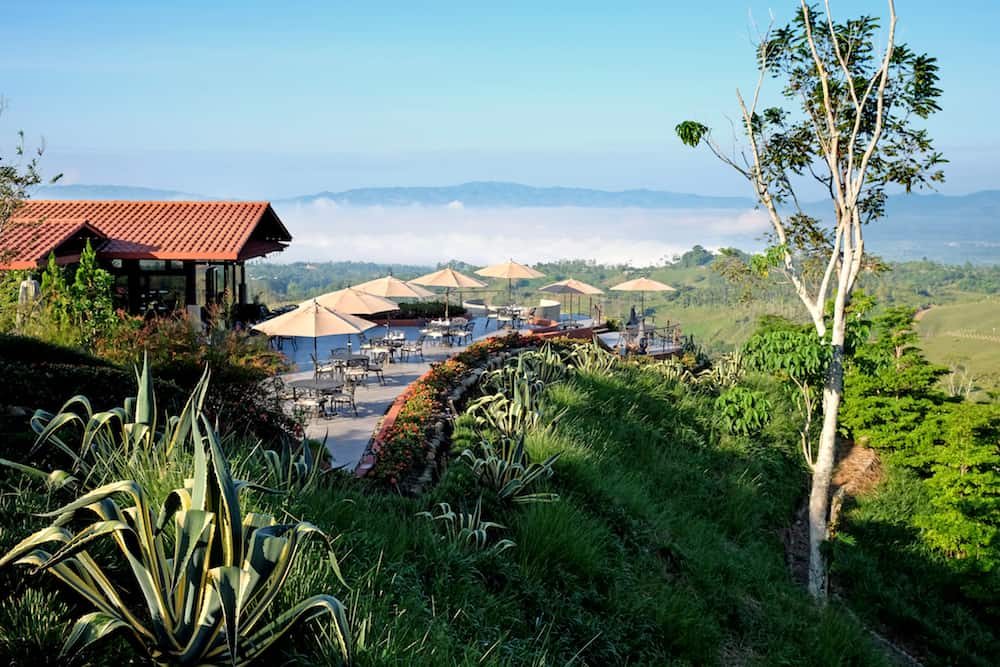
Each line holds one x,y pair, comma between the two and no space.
336,313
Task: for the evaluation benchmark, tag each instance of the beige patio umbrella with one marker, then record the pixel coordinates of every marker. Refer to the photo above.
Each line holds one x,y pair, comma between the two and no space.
509,270
643,285
449,279
570,286
312,320
391,287
356,302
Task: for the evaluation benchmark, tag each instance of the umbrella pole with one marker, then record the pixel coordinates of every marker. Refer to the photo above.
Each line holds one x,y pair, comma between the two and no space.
447,293
315,356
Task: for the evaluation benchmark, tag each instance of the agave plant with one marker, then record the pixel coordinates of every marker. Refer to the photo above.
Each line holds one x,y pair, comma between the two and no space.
289,470
509,471
593,358
468,527
204,575
726,372
512,412
119,432
542,367
672,369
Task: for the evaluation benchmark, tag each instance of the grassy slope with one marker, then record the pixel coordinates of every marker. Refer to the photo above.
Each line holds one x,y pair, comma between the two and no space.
949,337
664,549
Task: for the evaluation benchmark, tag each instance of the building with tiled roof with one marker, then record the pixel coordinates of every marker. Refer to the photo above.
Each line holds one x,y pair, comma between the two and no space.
164,254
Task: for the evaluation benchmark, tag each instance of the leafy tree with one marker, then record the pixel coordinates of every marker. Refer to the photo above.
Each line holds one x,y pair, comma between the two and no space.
964,487
853,133
91,303
17,176
890,390
55,290
795,355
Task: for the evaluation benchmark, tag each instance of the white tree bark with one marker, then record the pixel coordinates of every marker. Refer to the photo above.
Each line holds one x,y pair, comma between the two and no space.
847,173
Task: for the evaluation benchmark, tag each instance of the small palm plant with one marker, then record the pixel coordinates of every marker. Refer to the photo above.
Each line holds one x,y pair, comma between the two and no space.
468,527
204,575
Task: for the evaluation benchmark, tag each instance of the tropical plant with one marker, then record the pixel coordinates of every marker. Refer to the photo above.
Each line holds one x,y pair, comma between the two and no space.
592,358
743,411
544,364
794,355
512,412
291,470
209,600
468,527
725,372
119,432
508,471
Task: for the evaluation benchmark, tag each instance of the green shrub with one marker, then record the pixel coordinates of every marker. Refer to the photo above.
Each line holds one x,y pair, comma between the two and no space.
743,411
27,349
241,399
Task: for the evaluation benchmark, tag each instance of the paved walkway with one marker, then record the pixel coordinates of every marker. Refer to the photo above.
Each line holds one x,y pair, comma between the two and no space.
347,436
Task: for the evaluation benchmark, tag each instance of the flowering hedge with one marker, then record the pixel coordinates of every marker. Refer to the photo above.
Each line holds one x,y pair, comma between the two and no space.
402,442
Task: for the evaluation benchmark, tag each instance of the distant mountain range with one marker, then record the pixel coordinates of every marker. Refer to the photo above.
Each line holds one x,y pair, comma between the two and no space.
945,228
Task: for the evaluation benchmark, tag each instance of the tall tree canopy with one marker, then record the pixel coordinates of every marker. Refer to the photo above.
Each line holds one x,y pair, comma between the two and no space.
850,125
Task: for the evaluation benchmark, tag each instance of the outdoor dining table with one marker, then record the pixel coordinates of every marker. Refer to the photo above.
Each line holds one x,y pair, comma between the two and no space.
318,387
348,357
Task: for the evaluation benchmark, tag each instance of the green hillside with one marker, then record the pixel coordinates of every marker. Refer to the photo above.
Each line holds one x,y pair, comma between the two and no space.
966,338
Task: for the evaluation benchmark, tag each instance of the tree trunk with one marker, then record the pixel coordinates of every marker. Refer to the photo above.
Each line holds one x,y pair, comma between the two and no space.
819,497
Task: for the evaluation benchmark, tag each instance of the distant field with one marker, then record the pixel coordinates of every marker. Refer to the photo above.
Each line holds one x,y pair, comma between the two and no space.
966,335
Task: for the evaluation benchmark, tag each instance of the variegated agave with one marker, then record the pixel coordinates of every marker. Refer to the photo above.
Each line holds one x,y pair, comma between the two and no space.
511,412
508,470
206,585
592,358
468,527
541,367
288,471
120,433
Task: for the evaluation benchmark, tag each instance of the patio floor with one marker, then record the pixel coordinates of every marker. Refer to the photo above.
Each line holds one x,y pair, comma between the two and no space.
347,436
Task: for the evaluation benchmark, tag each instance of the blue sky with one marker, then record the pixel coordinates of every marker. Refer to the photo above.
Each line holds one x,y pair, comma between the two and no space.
282,98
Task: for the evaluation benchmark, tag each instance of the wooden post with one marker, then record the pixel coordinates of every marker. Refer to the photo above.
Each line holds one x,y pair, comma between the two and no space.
190,284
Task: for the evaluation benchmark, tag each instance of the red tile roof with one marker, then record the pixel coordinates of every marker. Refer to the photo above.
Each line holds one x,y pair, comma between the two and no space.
26,245
202,231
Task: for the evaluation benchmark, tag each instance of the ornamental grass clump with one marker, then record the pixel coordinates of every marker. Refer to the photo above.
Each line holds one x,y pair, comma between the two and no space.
196,577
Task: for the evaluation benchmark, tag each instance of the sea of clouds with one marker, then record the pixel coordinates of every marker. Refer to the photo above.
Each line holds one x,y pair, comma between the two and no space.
324,230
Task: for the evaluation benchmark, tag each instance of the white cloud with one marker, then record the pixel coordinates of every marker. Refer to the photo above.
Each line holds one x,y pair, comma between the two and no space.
323,231
456,205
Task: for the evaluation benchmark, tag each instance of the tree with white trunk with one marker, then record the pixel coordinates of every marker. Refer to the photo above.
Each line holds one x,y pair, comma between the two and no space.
854,96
